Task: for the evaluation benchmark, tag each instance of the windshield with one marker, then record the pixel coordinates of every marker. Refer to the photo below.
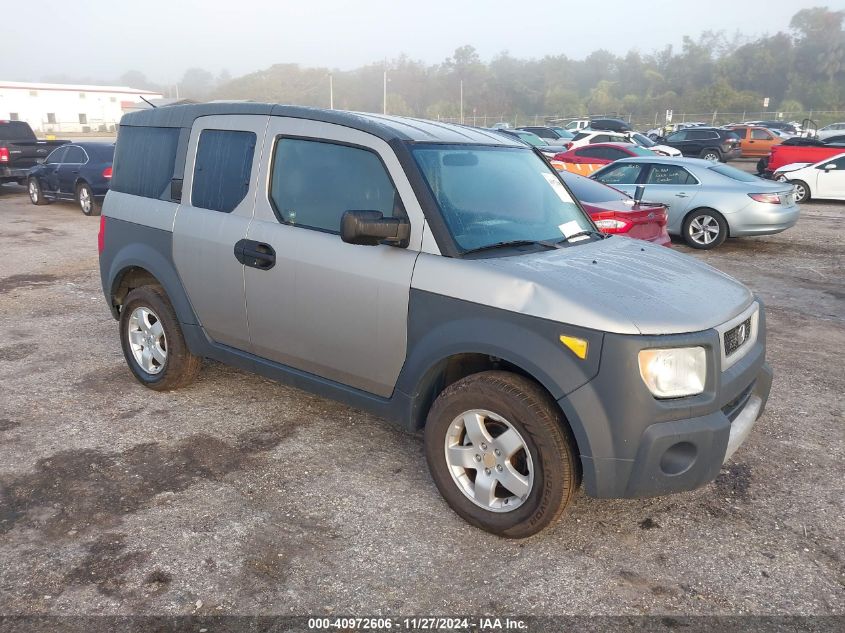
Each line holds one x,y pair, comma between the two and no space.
488,195
564,134
642,140
531,139
733,172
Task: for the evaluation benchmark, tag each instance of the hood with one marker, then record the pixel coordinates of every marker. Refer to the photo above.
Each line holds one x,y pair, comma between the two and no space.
618,285
793,166
669,151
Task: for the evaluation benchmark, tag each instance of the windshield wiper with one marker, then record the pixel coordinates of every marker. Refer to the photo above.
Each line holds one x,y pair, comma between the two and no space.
563,240
508,243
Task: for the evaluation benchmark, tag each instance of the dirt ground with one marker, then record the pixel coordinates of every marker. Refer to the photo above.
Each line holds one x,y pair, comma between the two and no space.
238,495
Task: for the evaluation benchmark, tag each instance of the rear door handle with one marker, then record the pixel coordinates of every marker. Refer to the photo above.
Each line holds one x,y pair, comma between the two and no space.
681,195
255,254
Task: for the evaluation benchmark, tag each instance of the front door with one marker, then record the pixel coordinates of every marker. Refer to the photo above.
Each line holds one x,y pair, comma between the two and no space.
326,307
218,200
673,186
830,182
50,182
760,142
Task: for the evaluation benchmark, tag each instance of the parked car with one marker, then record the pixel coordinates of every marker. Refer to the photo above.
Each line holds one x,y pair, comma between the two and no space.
588,158
577,124
755,141
823,180
589,136
789,128
20,150
436,275
616,213
611,124
834,129
77,171
708,143
551,134
707,201
799,150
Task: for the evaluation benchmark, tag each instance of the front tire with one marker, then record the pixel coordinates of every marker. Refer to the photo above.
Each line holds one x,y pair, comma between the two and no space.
152,341
802,191
85,200
36,195
705,229
500,453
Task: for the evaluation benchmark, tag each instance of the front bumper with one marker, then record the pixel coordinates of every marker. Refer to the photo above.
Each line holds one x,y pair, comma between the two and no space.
633,445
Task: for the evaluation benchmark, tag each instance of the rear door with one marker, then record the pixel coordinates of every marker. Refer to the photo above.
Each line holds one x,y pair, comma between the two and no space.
68,171
326,307
218,200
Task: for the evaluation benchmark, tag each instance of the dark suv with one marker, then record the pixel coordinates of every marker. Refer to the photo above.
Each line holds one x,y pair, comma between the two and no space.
706,142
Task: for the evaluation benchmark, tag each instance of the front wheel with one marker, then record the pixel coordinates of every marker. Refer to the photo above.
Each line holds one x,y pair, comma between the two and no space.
500,453
86,201
802,191
705,229
152,341
36,195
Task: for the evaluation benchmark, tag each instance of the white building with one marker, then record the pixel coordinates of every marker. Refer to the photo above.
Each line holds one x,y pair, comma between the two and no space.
64,108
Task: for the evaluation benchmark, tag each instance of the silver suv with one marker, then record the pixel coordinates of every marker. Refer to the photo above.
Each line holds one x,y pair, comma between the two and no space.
438,276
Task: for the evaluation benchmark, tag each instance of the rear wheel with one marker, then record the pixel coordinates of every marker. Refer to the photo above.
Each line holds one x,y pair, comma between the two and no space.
36,195
86,201
152,341
500,453
705,229
802,191
713,155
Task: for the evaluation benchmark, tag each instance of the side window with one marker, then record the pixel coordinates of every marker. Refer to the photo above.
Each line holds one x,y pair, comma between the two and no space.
611,153
760,135
144,159
601,138
74,155
313,183
740,131
56,156
669,175
222,169
677,137
625,174
589,152
839,162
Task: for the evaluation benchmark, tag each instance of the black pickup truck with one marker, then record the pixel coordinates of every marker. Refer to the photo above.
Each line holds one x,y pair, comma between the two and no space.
20,150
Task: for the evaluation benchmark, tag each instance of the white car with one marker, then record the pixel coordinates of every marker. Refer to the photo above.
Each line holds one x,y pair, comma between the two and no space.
834,129
588,137
643,141
825,179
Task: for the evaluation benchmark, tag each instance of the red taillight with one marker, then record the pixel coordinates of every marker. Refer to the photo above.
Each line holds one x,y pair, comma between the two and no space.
101,236
613,225
107,173
4,154
769,198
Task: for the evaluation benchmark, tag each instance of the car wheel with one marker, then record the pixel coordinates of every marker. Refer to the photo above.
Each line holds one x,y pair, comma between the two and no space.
705,229
152,341
713,155
86,201
500,453
802,191
36,195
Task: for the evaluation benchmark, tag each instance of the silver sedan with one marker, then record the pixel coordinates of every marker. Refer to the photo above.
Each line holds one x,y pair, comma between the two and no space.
707,201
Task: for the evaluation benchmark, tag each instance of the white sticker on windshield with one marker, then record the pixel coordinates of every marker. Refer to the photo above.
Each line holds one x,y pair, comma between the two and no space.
571,228
555,184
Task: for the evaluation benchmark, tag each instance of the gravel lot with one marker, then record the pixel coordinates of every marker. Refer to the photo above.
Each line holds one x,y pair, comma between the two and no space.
238,495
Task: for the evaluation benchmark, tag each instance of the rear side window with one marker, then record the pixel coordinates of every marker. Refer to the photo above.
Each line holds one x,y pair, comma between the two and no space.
703,135
75,155
670,175
314,183
144,159
222,169
56,156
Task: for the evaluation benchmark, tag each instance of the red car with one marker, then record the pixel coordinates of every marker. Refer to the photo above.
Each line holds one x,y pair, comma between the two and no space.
803,151
616,213
586,159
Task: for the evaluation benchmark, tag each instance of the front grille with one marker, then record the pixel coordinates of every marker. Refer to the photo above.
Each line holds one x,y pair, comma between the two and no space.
737,337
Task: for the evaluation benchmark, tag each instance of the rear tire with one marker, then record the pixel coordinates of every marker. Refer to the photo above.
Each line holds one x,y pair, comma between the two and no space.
713,155
704,229
501,454
36,195
85,200
802,191
152,341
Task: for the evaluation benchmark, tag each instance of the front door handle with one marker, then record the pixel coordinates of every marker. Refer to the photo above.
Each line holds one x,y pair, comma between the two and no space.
681,195
255,254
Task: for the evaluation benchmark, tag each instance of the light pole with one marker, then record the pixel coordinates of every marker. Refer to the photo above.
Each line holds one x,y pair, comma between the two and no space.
331,92
385,91
462,101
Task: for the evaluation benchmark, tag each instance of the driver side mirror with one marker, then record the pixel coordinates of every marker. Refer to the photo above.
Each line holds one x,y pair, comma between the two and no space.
371,228
830,166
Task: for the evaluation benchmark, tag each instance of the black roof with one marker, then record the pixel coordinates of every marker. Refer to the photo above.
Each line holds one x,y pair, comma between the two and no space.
386,127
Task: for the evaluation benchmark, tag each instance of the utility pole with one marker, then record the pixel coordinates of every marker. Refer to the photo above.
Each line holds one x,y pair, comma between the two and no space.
462,101
385,90
331,92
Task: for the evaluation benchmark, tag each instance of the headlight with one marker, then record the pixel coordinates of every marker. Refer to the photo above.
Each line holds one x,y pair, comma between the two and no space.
672,373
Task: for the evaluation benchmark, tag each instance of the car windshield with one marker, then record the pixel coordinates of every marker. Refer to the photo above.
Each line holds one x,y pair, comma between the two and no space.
734,173
488,195
531,139
564,134
639,151
642,140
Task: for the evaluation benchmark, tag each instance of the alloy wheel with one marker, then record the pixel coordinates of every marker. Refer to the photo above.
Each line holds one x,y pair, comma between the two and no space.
489,460
147,340
85,200
704,229
33,191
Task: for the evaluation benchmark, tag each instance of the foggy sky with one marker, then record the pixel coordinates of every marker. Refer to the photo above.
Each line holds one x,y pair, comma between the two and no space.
101,39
